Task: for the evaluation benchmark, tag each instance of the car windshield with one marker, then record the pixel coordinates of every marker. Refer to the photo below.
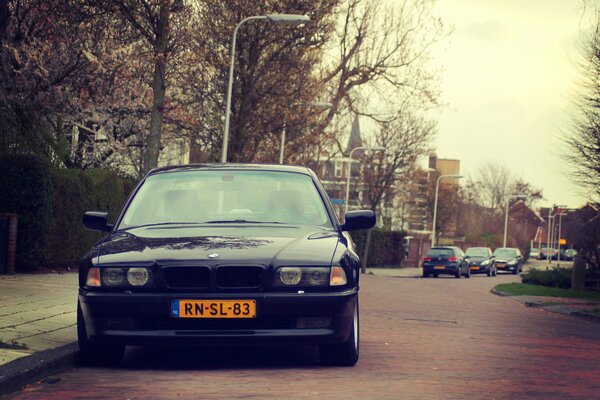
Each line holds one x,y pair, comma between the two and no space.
507,253
226,197
440,252
477,252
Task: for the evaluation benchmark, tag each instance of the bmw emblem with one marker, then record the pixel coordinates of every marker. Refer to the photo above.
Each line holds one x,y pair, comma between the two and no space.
213,255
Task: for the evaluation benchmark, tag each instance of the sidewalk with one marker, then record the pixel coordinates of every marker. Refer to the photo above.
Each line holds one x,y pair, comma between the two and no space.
37,312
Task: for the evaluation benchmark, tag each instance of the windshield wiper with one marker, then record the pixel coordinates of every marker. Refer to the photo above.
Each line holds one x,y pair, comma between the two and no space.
159,224
241,221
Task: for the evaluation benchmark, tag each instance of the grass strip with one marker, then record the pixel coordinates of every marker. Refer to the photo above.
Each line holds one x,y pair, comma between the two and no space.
523,289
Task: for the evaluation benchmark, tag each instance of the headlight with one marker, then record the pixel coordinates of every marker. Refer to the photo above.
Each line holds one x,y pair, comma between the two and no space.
125,277
301,276
513,262
486,262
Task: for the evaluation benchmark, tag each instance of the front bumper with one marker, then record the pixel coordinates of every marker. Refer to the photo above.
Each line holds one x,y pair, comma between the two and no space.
145,319
480,269
507,267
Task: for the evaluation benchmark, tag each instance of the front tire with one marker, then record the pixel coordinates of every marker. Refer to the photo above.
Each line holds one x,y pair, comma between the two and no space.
93,353
344,354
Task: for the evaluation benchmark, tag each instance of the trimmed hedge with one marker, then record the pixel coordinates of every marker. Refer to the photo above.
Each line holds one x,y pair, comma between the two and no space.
386,247
50,203
26,189
555,277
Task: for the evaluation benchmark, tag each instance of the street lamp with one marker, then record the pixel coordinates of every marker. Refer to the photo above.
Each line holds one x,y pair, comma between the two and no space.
315,104
516,196
372,148
560,214
548,244
435,203
282,19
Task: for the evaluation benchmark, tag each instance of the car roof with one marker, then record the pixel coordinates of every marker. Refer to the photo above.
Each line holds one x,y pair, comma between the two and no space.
444,247
232,166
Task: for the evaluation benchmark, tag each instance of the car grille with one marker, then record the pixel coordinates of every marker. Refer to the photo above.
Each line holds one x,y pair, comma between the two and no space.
187,277
239,277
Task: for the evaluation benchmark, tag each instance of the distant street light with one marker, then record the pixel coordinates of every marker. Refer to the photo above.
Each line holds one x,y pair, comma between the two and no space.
315,104
375,148
548,243
559,228
282,19
435,203
516,196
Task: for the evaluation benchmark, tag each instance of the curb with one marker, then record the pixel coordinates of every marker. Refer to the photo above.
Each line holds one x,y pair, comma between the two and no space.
499,293
23,371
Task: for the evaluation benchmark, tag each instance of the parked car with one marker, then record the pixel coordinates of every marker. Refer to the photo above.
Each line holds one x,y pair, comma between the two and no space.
548,252
448,260
481,260
509,259
534,253
570,254
228,254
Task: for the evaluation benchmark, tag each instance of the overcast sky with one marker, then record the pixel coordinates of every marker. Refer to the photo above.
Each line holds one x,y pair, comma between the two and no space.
509,79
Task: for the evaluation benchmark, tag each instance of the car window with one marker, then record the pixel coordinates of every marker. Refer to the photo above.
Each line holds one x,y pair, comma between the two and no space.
478,252
440,252
205,196
504,253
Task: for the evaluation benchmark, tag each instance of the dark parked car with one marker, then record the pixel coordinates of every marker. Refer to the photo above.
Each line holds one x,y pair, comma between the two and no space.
509,259
222,254
448,260
481,260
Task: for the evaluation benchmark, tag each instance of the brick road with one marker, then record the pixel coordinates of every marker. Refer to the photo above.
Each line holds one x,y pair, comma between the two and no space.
421,339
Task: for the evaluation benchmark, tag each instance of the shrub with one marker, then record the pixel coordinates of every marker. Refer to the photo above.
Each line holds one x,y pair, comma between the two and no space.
386,246
77,191
555,277
26,189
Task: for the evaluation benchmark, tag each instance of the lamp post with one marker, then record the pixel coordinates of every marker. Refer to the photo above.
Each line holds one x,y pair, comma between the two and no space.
316,104
349,172
283,19
548,244
559,228
517,196
435,203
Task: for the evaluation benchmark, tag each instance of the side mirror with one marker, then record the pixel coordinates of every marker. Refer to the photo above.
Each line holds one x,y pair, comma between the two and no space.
362,219
467,257
97,221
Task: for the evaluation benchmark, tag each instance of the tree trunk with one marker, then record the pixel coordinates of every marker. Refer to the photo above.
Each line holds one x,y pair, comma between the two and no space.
578,274
365,257
158,89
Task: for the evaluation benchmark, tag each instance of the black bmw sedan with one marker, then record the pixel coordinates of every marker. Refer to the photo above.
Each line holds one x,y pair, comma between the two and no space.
222,254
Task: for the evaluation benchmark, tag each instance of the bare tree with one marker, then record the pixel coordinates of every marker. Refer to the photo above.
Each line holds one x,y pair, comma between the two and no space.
583,145
406,138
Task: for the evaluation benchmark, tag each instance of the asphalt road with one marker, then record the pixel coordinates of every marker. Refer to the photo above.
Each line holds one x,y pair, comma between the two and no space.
421,338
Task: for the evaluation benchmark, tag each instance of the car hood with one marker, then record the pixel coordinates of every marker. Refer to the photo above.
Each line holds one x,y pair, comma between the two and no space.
221,244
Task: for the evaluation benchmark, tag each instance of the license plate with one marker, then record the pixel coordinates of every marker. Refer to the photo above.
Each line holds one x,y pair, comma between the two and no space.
500,265
213,308
439,267
474,268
